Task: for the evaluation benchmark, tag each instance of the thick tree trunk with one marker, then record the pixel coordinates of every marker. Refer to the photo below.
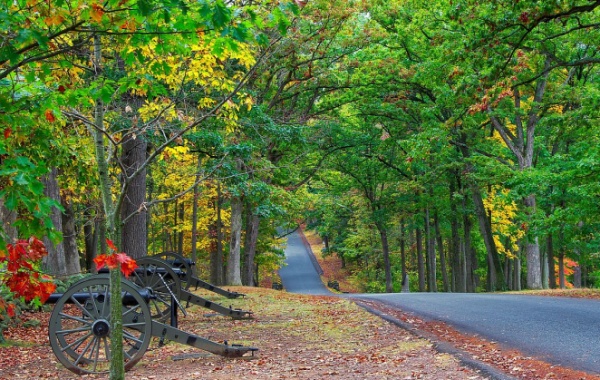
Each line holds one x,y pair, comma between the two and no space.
72,258
532,252
133,211
8,218
386,258
252,225
233,260
55,263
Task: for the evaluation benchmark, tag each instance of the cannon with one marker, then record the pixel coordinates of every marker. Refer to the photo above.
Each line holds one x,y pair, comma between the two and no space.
79,328
175,260
167,285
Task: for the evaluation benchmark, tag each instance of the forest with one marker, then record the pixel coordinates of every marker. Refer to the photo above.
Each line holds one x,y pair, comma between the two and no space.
449,145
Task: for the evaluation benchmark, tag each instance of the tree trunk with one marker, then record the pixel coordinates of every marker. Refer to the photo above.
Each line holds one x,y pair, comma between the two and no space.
532,252
430,259
72,258
233,261
194,253
440,245
551,268
216,234
7,220
470,258
458,269
517,274
495,275
90,232
252,225
405,284
55,262
386,258
181,222
133,210
420,261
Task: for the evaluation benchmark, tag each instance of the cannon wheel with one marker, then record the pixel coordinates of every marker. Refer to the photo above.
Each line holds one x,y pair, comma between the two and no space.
157,275
79,332
183,264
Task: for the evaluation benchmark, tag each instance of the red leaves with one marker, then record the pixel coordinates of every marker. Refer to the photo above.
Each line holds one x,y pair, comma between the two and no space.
22,278
50,116
7,132
115,260
96,12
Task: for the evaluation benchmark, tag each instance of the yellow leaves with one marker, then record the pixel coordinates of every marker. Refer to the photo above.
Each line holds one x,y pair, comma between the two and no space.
503,213
159,107
206,103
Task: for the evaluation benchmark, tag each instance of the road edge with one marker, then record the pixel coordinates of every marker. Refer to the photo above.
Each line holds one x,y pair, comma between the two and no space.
444,347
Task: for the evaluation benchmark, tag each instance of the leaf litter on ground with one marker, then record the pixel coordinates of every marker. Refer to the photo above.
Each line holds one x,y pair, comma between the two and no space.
298,337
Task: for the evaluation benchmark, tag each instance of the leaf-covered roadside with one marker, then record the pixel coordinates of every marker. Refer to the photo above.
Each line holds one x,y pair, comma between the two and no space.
299,337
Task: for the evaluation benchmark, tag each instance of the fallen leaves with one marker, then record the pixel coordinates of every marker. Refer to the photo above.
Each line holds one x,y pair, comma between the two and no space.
299,337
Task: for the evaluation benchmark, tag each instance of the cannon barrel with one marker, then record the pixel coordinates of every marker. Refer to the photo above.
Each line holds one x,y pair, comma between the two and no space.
128,298
177,261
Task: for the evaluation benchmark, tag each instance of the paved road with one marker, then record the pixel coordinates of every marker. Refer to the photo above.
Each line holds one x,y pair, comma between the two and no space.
563,331
299,275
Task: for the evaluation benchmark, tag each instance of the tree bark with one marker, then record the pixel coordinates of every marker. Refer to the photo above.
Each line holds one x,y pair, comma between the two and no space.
90,237
405,284
458,272
430,259
55,262
72,258
8,218
420,261
233,260
252,225
216,234
532,252
386,258
470,258
134,235
551,268
440,245
194,253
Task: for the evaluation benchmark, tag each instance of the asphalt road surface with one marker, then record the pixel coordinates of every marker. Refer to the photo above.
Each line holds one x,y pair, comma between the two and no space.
299,274
559,330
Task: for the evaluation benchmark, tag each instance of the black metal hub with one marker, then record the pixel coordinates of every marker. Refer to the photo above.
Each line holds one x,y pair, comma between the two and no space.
101,328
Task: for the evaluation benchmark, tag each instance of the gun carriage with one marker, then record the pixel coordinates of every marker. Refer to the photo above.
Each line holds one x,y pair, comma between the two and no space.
188,280
79,329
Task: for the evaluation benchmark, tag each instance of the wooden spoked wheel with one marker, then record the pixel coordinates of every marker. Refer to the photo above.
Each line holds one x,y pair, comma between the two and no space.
80,326
157,275
175,260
